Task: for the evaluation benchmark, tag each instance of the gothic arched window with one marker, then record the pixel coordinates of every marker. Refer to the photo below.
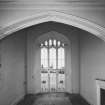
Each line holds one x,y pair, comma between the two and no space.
52,65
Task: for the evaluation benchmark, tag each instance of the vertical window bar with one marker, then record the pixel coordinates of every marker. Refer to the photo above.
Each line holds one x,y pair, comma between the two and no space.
53,59
57,65
48,66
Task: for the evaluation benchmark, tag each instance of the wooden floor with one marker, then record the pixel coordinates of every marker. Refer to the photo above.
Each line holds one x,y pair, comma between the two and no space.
52,99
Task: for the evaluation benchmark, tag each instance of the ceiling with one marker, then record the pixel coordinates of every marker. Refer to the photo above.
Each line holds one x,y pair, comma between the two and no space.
70,3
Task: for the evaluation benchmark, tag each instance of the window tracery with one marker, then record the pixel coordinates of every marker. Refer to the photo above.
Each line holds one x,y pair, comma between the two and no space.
52,65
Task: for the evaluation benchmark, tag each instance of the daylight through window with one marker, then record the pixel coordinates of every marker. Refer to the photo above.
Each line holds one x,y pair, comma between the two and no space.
52,66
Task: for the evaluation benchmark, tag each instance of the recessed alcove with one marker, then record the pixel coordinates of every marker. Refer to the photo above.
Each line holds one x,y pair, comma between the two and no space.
85,61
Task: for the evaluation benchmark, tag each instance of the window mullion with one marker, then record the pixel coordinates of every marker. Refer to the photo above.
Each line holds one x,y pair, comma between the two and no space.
48,67
48,56
57,68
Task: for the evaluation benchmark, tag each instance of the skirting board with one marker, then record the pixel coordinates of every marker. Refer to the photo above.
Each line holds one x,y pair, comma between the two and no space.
17,100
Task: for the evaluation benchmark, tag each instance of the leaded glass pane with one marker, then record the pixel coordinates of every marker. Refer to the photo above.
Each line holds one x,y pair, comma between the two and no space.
52,81
58,43
52,64
50,42
61,58
46,43
44,58
52,58
41,45
54,42
44,81
61,80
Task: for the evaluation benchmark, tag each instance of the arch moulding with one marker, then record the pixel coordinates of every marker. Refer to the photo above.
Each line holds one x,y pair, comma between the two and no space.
55,16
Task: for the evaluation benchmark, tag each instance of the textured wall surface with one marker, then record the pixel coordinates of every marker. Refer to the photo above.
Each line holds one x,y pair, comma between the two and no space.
12,68
92,65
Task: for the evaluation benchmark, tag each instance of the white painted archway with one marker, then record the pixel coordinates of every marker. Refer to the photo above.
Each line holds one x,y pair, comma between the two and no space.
56,17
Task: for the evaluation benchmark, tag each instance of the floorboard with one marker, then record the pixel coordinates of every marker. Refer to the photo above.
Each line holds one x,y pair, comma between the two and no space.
52,99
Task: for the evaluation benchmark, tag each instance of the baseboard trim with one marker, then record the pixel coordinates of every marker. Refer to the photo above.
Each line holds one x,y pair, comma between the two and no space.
86,100
17,100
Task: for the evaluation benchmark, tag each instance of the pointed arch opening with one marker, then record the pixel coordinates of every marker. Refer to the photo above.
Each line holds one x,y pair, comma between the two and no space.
53,46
